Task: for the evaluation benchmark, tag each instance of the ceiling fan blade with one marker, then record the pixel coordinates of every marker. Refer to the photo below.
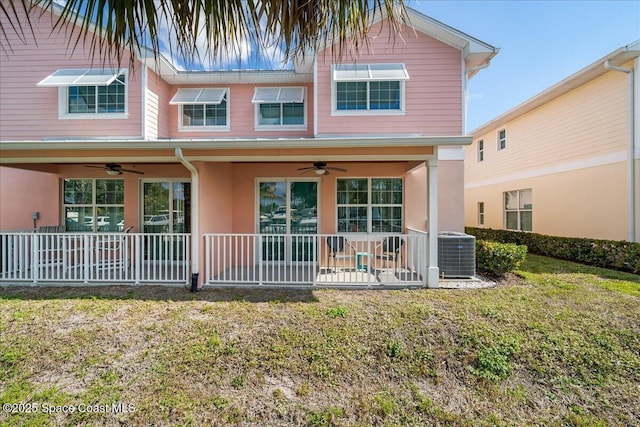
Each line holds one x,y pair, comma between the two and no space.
309,168
132,171
336,169
94,167
306,171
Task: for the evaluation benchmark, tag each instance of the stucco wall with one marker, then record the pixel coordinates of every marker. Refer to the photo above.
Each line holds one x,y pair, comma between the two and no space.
23,192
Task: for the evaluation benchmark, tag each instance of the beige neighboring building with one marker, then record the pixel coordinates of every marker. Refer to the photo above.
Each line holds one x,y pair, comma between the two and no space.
565,162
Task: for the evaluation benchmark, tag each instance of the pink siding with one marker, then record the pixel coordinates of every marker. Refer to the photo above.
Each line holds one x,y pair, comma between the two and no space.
163,92
242,116
433,93
30,112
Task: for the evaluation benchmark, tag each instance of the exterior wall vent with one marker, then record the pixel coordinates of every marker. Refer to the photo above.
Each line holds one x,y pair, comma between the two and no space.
456,254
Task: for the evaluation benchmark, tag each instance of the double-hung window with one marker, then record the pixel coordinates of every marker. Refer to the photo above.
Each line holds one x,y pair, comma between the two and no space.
368,88
279,108
502,139
202,109
369,205
518,210
481,150
480,213
93,204
89,93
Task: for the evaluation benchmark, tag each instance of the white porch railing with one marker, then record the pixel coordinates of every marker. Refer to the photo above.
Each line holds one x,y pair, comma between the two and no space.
95,257
316,260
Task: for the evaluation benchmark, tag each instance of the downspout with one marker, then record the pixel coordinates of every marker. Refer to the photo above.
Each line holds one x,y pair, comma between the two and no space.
632,144
195,218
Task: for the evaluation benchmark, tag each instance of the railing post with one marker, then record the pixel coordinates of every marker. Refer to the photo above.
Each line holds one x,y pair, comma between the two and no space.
88,249
259,259
35,258
137,269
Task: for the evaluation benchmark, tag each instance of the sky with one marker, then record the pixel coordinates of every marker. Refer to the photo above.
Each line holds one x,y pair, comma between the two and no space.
541,43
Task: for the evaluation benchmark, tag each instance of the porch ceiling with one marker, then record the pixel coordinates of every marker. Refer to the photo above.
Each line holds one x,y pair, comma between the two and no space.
272,150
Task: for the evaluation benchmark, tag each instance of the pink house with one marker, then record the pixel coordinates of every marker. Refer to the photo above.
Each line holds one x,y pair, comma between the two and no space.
327,174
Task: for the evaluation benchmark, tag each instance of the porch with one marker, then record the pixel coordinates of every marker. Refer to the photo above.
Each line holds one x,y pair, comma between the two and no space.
230,260
316,260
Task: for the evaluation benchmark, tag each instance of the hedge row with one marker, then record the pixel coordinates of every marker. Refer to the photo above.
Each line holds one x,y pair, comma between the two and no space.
499,258
617,255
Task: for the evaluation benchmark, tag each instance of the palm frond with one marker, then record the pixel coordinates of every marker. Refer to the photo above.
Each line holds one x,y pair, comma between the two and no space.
113,27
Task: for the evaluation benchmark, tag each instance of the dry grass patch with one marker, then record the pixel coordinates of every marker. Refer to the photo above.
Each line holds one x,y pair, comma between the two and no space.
557,345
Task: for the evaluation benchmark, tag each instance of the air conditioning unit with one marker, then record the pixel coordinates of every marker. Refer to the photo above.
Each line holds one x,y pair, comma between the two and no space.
456,254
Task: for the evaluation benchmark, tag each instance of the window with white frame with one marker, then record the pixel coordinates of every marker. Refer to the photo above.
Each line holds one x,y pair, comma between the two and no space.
480,150
202,108
279,108
93,204
502,139
89,93
369,205
480,213
518,210
368,88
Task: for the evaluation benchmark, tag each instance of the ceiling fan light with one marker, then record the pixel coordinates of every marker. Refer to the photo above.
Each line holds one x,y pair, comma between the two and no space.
113,172
321,171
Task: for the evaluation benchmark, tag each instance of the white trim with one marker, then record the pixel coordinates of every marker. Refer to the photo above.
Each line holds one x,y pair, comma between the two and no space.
369,72
451,154
368,112
201,96
63,103
586,163
226,96
81,77
285,100
278,95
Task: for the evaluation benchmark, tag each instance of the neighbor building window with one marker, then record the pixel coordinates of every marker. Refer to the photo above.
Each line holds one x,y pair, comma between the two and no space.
368,88
480,213
202,108
502,139
93,204
279,108
369,205
87,93
518,210
481,150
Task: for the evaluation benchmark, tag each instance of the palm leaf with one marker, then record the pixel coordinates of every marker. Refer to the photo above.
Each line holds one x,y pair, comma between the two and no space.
113,27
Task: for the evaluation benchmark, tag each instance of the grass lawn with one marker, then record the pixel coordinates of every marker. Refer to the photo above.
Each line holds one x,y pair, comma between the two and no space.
557,344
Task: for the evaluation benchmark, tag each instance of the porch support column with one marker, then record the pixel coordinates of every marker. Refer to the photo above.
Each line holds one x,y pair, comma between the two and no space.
433,272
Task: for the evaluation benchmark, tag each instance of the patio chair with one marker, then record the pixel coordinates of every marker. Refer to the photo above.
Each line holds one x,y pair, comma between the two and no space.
112,251
337,250
391,251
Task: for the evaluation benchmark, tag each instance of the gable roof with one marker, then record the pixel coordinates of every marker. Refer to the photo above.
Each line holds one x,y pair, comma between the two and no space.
476,53
590,72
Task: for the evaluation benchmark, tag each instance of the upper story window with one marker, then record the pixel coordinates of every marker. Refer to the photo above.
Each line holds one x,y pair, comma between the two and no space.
280,108
368,89
481,150
502,139
89,93
202,108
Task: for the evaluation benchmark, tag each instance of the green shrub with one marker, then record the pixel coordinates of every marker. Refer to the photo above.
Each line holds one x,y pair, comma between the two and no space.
498,258
616,255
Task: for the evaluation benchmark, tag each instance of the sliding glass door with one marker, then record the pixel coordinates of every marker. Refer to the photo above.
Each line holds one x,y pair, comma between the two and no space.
288,209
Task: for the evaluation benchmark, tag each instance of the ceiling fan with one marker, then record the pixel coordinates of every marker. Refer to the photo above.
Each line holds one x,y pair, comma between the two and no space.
320,168
114,169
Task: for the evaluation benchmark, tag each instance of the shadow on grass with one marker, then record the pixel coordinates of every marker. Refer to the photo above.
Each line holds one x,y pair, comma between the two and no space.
155,293
545,265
